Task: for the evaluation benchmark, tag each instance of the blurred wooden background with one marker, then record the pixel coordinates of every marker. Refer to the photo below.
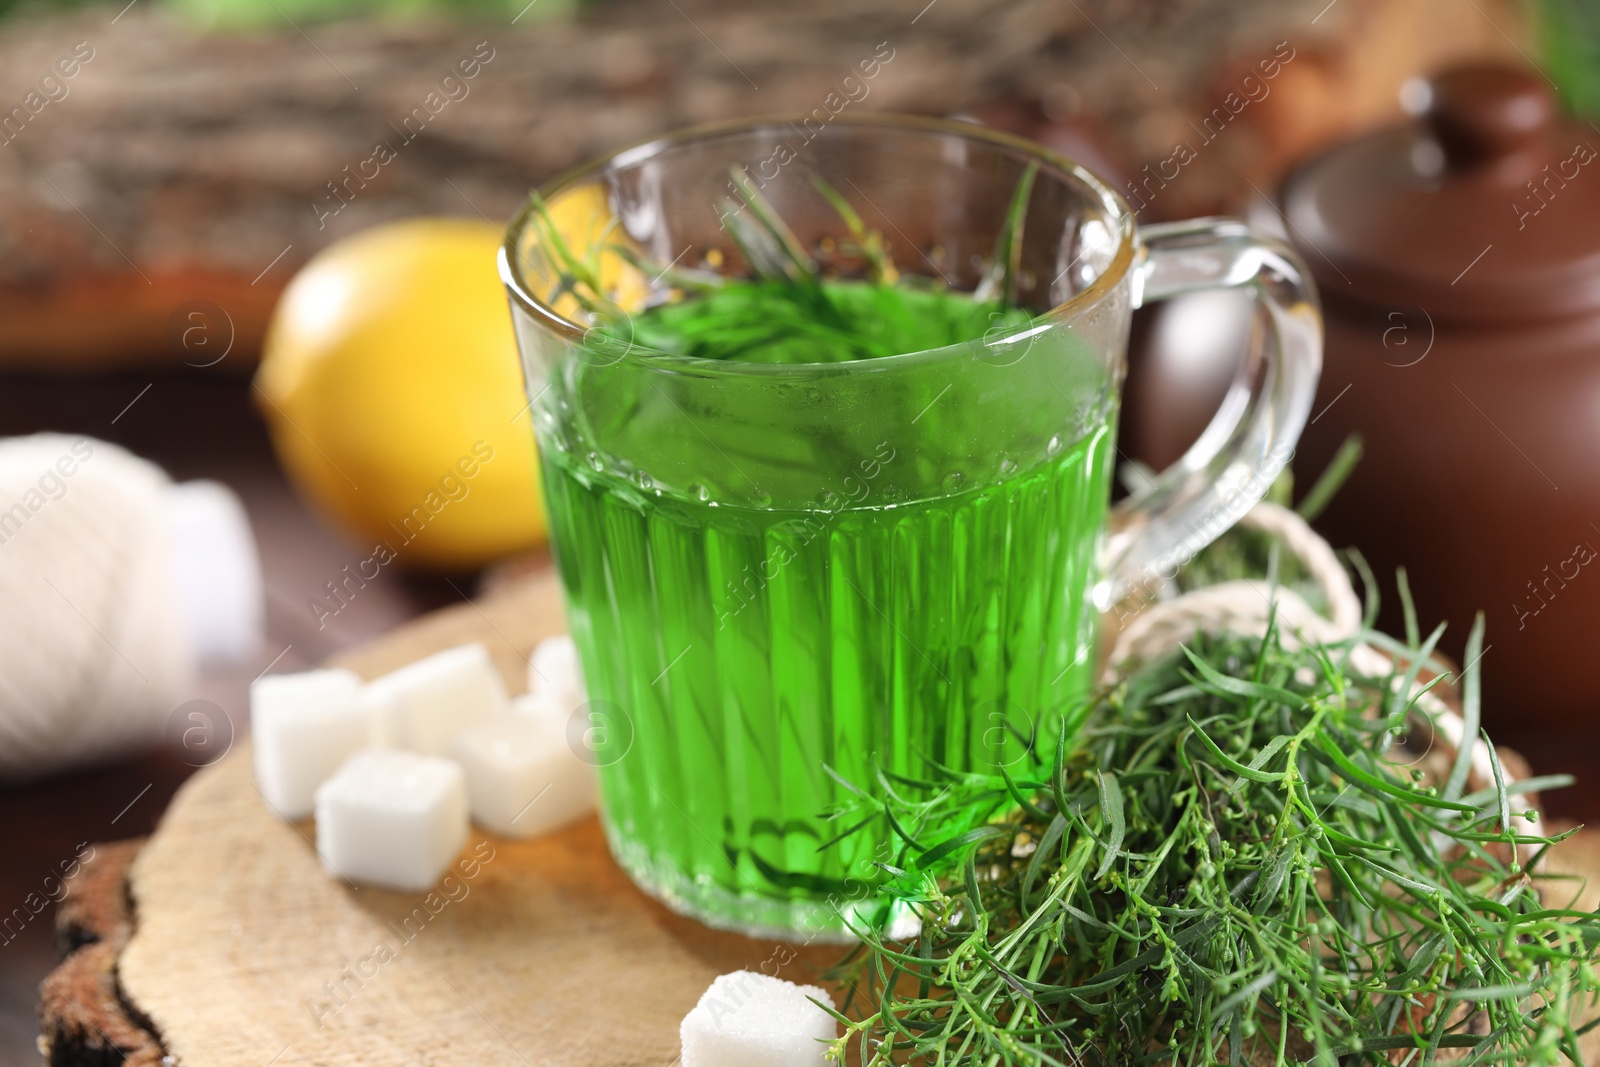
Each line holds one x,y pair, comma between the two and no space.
181,167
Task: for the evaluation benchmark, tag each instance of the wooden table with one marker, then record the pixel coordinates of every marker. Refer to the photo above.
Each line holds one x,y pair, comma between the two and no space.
85,1011
222,942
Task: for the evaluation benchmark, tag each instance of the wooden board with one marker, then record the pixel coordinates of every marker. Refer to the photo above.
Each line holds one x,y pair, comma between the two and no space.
226,944
247,953
83,1020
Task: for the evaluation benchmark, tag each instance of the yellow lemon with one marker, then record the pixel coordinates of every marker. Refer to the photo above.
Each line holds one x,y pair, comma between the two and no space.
390,381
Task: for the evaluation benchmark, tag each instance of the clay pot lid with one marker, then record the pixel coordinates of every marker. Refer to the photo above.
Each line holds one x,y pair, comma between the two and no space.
1486,207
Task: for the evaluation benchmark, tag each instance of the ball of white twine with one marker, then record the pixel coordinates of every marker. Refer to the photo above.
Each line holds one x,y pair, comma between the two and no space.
93,651
1241,607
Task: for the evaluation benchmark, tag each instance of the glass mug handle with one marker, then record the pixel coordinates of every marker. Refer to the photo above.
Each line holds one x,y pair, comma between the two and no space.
1250,439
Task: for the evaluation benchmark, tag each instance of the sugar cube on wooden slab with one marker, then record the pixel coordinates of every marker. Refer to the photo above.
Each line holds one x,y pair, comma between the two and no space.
555,675
302,726
537,707
392,818
523,777
749,1019
423,705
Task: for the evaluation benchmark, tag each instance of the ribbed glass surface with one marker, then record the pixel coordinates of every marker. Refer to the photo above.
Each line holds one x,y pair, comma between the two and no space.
745,650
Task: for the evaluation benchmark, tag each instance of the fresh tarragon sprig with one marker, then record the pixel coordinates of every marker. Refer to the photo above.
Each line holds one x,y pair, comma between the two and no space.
1232,863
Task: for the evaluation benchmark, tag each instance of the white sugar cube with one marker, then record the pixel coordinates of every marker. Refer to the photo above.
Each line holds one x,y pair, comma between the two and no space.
302,726
555,674
423,705
523,778
754,1020
539,707
392,818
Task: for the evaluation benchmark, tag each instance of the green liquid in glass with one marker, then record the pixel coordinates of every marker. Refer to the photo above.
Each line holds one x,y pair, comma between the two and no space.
734,651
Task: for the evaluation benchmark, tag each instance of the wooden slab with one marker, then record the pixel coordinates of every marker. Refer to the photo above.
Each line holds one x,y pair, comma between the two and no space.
226,944
247,953
83,1020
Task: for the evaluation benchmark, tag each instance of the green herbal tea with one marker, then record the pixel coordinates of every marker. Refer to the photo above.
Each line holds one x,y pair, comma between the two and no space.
740,645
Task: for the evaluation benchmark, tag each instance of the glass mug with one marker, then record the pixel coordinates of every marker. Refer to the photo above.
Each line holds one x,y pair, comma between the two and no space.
785,578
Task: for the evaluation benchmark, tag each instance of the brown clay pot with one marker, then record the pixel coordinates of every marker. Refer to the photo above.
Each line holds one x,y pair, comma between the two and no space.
1458,258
